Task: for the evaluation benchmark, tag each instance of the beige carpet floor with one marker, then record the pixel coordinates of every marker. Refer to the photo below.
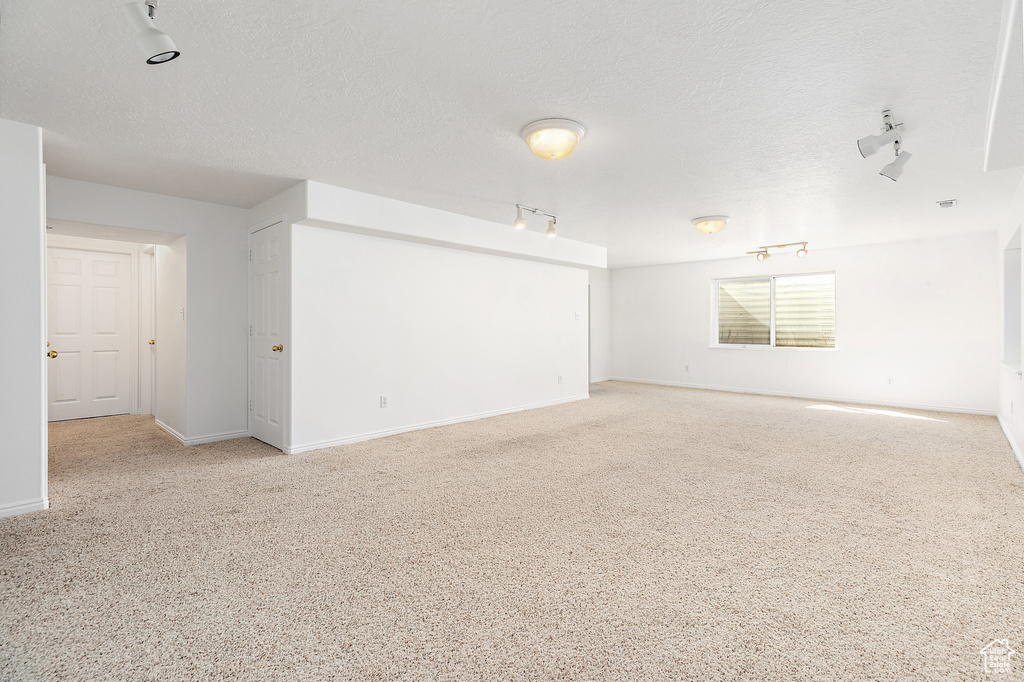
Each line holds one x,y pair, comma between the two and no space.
647,533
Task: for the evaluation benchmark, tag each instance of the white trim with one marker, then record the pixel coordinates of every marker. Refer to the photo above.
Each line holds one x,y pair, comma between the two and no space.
44,318
809,396
296,449
1013,443
214,437
199,440
19,508
171,431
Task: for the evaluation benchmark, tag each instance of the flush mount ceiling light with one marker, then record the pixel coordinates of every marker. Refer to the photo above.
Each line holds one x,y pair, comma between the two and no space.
710,224
156,45
553,138
890,135
520,223
762,251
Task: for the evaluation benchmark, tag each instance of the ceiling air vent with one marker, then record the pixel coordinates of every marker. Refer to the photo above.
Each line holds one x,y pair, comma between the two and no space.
946,203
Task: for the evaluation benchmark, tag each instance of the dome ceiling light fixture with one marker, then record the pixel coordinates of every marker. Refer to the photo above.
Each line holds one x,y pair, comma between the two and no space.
156,46
553,138
520,223
710,224
762,251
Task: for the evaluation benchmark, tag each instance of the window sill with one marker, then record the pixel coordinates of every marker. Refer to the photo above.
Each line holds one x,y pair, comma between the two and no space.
731,346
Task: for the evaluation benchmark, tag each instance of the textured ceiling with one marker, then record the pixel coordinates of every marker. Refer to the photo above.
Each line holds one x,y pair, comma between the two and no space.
750,109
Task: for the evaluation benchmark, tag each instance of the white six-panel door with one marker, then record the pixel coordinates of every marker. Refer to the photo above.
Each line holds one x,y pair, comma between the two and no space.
88,327
266,337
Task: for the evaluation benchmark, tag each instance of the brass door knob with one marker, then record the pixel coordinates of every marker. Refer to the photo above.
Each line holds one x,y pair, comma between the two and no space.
52,354
277,349
152,342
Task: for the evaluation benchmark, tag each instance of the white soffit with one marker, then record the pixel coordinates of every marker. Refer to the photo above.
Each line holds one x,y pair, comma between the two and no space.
351,211
71,228
1004,139
746,109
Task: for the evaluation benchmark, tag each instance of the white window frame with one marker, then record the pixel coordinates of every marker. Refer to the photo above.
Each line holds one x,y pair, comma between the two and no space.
771,341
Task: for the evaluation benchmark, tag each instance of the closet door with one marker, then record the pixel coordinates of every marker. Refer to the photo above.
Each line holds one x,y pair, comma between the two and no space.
88,323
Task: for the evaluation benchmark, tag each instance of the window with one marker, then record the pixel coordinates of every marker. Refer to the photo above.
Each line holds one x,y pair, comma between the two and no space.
791,311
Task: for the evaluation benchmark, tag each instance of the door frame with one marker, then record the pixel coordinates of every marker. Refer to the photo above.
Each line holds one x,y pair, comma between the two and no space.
286,326
137,383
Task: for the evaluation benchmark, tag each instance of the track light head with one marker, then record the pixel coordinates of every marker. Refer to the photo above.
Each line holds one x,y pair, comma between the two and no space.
872,143
802,251
156,45
761,255
551,228
520,222
894,170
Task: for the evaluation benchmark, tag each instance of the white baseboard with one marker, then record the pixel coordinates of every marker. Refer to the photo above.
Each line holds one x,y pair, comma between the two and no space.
199,440
171,431
808,396
19,508
1009,437
215,437
296,449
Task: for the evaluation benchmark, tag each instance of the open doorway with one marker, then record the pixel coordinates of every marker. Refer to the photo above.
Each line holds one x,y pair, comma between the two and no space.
113,299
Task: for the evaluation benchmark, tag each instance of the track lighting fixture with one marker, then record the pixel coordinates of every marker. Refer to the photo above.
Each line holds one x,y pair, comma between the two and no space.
520,223
762,251
156,45
553,138
710,224
890,135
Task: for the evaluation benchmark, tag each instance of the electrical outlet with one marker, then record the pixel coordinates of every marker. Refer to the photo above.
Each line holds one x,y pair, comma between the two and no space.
889,380
686,368
577,314
383,401
182,313
559,378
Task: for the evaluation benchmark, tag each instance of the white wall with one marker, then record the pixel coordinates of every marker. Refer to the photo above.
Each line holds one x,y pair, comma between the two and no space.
924,313
172,337
23,443
217,326
600,324
445,334
1011,384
